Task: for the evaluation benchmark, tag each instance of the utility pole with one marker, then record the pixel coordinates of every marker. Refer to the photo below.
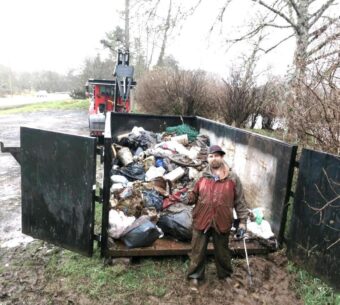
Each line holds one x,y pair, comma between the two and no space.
127,25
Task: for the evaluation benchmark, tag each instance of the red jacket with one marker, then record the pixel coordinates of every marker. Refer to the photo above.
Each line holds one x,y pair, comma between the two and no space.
214,202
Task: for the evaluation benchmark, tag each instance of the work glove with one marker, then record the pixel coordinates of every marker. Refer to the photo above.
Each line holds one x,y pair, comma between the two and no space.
241,230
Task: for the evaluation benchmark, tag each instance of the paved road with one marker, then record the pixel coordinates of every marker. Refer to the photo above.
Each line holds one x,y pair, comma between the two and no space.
68,121
20,100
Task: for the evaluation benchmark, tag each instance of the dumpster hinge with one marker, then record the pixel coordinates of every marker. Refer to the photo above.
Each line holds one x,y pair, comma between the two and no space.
99,198
14,151
100,152
98,238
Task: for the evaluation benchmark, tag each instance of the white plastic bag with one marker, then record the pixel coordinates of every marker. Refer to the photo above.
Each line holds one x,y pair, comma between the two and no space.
262,230
118,222
154,172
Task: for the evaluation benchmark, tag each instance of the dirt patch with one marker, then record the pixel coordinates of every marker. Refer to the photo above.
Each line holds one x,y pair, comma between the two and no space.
28,277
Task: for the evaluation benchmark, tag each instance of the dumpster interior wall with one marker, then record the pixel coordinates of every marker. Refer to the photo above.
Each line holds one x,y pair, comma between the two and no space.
264,165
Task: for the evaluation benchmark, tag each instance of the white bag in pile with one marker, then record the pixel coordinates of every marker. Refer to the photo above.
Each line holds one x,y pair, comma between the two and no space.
154,172
119,179
118,222
262,230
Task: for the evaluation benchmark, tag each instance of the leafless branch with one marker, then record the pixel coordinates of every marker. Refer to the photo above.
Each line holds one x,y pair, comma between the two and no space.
282,15
316,33
324,43
317,14
220,15
279,43
292,2
333,244
323,56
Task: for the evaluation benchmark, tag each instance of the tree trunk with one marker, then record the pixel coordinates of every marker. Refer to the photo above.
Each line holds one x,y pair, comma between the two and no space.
127,25
300,56
165,36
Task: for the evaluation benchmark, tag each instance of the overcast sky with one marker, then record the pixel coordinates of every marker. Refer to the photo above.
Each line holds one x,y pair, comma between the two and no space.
59,34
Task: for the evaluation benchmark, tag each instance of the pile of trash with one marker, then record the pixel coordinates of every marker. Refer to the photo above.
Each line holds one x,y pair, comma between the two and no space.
150,178
151,175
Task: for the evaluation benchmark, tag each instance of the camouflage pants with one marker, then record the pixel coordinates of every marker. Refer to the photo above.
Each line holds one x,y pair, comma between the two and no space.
198,254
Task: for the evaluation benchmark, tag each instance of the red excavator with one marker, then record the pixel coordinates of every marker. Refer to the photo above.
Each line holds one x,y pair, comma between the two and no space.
110,95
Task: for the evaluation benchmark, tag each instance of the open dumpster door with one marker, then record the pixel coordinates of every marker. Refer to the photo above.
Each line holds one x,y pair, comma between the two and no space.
58,173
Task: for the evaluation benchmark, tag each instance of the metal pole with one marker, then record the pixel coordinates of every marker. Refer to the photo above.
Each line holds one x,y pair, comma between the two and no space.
246,252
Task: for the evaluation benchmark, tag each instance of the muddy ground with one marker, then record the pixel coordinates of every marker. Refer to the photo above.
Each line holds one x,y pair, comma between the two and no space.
27,275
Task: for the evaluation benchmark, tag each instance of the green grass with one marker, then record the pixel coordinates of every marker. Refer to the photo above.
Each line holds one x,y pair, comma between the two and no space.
66,104
90,276
312,290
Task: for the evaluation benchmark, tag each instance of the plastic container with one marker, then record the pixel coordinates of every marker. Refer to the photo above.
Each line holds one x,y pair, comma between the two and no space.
125,156
175,174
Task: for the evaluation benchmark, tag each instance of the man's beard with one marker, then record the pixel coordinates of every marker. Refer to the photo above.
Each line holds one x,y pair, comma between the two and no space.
215,164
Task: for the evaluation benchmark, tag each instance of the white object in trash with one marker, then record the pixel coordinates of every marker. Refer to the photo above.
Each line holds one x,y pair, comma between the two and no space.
121,136
154,172
119,179
116,187
193,152
174,147
136,130
182,139
175,174
262,230
125,156
118,222
193,173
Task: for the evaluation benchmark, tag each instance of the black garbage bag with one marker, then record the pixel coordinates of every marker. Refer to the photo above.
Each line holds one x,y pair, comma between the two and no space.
142,233
127,143
133,171
152,199
176,222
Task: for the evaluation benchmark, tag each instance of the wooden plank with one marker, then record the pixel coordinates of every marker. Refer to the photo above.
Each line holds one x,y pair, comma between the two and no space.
167,247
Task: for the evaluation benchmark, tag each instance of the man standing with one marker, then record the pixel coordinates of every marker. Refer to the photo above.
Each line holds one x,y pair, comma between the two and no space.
215,195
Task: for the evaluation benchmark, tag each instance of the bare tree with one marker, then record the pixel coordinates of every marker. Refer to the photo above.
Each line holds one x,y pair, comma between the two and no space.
174,91
311,22
274,97
314,115
239,100
127,25
158,22
165,36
